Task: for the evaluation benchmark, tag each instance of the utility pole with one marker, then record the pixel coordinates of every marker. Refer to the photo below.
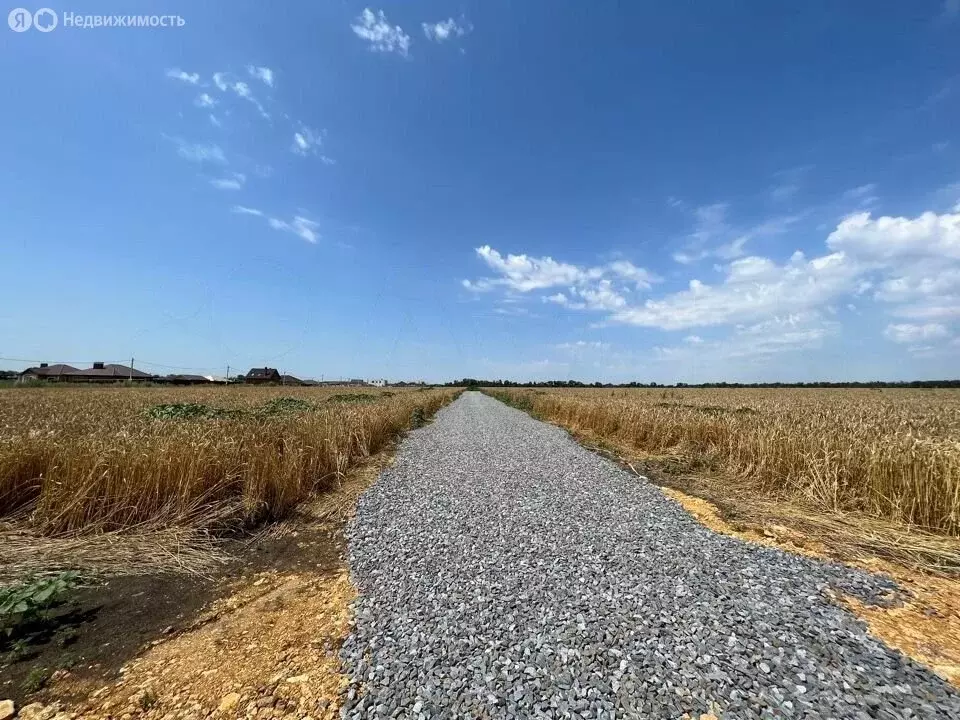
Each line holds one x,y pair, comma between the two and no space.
228,373
131,370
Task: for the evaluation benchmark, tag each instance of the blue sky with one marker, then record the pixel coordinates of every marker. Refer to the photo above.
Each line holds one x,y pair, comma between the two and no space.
617,191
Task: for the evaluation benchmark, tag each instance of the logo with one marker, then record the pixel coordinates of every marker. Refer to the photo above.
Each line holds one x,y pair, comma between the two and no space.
19,20
45,20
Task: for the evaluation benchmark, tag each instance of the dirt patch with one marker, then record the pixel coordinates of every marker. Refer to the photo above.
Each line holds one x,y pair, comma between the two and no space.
927,628
102,629
259,639
269,650
771,535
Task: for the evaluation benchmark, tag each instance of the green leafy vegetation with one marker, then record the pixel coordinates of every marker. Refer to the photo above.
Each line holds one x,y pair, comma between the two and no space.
32,601
36,680
417,418
286,405
147,699
353,398
188,411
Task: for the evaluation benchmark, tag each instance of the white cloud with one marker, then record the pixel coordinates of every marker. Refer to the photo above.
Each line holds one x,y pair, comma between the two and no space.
593,285
178,74
784,192
264,74
445,29
714,236
863,195
640,277
382,37
242,210
215,121
300,226
756,343
601,296
918,260
754,288
199,152
204,101
234,181
523,273
307,142
582,345
888,238
911,265
788,182
907,333
748,352
225,83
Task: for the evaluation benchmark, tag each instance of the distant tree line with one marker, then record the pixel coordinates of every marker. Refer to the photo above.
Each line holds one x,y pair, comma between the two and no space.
473,382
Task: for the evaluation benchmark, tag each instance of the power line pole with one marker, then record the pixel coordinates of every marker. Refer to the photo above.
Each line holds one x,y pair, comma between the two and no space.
130,378
228,373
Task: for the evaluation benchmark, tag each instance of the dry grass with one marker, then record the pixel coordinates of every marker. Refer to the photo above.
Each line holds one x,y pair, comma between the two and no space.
81,460
142,550
892,455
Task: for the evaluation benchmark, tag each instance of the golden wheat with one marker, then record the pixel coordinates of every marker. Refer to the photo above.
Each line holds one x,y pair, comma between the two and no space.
893,454
74,459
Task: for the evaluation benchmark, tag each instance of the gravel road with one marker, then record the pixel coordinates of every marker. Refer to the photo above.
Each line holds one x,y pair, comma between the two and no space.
506,572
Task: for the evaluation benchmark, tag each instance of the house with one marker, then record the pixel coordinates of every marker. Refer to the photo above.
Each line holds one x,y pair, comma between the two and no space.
187,379
291,380
109,372
377,383
99,373
262,376
55,373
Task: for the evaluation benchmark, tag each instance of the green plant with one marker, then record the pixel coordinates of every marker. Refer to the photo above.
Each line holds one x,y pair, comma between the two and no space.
66,661
352,398
417,418
188,411
147,699
36,680
286,405
31,600
18,649
66,637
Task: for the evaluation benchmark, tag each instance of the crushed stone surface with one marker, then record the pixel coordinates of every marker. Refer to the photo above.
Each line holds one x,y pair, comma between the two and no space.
506,572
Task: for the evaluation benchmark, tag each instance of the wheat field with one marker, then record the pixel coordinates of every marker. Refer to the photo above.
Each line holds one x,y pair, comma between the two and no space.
79,459
890,454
